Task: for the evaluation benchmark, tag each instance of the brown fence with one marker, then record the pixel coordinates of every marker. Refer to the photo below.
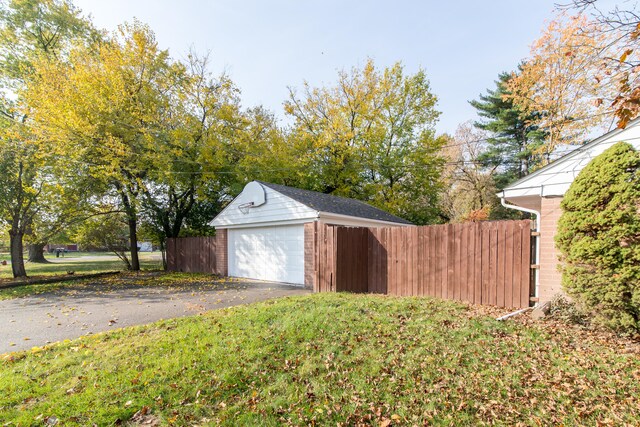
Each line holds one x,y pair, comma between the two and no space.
198,254
482,263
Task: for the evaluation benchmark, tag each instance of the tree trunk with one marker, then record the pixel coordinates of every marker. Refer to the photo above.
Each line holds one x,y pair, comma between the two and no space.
36,253
132,221
17,255
163,251
133,241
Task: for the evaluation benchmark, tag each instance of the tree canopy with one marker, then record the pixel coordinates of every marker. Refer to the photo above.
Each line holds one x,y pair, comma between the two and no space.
620,26
35,193
562,82
513,138
371,137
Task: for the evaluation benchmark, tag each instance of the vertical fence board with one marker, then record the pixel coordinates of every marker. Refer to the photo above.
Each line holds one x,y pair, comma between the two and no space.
493,265
508,271
463,254
442,262
470,256
413,231
501,261
459,274
525,275
517,268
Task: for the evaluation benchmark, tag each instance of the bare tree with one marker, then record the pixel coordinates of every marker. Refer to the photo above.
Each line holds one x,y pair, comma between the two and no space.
469,185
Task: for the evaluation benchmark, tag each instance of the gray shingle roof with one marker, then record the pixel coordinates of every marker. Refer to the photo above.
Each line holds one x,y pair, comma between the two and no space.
335,204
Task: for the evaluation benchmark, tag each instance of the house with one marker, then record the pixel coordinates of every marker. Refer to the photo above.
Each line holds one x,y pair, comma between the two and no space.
269,235
541,193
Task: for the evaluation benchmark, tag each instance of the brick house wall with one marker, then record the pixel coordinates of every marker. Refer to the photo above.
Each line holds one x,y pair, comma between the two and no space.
550,277
309,254
221,253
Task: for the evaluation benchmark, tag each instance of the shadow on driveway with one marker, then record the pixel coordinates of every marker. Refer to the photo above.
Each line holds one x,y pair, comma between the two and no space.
84,309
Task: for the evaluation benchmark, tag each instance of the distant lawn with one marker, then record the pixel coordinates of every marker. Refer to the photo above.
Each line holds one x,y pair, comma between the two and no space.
328,359
119,281
96,262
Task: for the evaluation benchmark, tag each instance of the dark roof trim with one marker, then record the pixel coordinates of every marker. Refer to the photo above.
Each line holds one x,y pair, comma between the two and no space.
335,204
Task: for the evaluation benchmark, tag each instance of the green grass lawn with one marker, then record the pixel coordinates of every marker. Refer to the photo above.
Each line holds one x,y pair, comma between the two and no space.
81,263
328,359
124,279
5,256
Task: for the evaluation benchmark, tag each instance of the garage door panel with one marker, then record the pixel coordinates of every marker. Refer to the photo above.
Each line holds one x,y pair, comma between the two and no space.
268,253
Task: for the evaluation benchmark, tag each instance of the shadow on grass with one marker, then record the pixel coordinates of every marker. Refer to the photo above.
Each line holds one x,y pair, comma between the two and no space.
146,287
77,266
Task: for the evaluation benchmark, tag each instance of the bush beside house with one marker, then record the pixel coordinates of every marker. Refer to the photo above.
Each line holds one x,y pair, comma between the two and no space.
599,238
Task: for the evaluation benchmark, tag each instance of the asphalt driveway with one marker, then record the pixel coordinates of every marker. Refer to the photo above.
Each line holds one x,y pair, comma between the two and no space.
75,311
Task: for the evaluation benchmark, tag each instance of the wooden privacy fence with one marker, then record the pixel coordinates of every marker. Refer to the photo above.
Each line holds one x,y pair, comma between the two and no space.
482,263
198,254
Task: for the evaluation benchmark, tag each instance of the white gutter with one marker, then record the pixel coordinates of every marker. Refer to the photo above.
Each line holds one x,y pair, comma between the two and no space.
537,259
515,313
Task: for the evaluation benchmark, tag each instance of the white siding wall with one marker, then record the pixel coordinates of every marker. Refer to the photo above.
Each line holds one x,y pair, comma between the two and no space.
556,179
277,208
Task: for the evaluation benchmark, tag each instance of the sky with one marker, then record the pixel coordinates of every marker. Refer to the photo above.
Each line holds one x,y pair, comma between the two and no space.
268,46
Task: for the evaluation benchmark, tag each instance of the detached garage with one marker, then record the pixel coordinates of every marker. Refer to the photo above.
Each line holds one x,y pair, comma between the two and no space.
269,229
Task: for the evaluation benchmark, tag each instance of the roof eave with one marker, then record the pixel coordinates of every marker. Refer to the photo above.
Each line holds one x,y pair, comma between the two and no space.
570,155
330,215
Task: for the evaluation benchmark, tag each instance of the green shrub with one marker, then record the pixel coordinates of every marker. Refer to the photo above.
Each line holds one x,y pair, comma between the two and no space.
599,238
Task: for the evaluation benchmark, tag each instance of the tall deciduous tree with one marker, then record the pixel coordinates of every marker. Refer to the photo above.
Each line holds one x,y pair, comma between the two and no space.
184,180
512,137
260,149
469,188
108,232
107,108
371,137
155,133
30,31
562,82
620,26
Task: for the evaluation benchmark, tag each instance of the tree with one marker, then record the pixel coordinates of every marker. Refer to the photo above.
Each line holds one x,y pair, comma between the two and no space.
371,137
108,232
260,149
599,237
29,31
32,29
183,178
108,108
513,139
561,83
67,204
469,188
622,58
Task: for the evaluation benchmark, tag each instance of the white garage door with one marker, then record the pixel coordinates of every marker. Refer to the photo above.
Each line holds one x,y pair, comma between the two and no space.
268,253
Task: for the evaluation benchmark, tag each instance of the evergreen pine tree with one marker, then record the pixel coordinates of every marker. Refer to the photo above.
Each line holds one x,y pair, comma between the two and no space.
513,143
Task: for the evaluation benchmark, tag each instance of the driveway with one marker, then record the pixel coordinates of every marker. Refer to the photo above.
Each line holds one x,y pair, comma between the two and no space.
75,311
